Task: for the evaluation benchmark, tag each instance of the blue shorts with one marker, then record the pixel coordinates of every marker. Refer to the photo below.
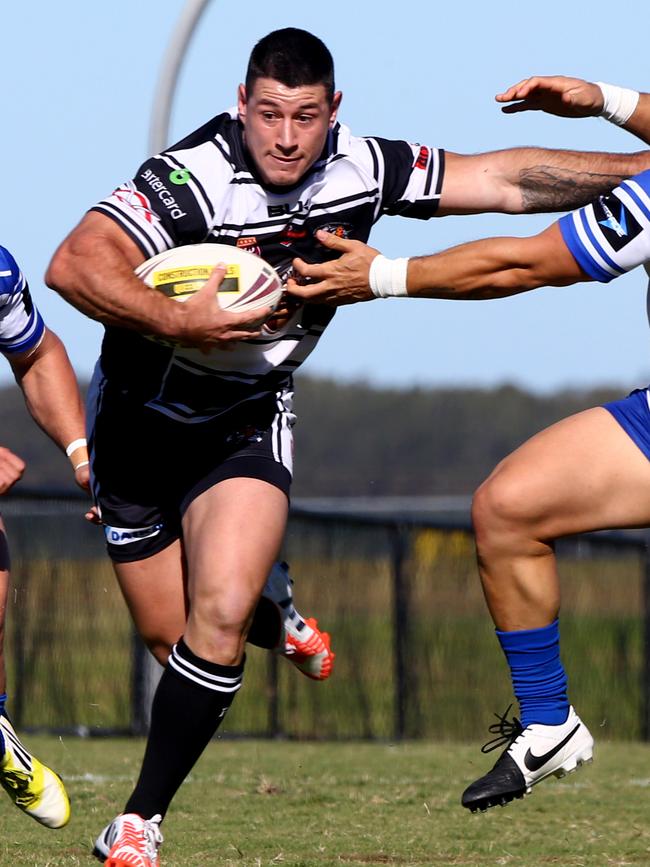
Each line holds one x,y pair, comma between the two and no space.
633,415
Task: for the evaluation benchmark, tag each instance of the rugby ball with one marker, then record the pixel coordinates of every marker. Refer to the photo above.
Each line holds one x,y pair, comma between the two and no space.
250,282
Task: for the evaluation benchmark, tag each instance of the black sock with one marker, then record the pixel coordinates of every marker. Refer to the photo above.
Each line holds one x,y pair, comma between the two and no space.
191,700
266,627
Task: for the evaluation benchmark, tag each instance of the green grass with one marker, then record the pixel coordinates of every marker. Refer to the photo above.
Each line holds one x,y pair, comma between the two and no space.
254,803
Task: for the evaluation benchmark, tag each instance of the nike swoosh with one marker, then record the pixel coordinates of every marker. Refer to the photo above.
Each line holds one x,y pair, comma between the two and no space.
534,763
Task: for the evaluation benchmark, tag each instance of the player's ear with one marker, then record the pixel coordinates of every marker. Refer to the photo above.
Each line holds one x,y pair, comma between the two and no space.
336,102
242,102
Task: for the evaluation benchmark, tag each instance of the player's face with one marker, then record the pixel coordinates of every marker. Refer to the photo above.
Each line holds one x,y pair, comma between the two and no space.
285,128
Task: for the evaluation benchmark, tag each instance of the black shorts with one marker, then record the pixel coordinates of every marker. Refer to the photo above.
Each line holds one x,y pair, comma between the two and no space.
147,468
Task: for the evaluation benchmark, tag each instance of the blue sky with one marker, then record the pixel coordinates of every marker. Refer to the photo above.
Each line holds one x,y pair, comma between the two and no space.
78,81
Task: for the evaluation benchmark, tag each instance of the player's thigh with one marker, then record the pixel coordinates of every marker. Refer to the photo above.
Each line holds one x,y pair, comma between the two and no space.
583,473
154,589
232,533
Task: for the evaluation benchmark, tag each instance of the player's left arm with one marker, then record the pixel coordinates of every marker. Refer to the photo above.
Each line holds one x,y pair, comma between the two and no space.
532,180
607,238
479,270
49,385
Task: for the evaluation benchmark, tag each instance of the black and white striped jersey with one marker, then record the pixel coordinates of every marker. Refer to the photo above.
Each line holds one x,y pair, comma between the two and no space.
205,189
21,325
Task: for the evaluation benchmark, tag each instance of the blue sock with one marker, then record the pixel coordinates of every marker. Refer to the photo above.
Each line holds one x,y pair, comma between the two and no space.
538,677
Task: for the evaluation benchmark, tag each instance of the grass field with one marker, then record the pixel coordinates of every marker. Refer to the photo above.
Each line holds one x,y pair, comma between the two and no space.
254,803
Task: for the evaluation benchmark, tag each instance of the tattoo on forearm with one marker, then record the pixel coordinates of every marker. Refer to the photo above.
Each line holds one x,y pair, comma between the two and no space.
548,188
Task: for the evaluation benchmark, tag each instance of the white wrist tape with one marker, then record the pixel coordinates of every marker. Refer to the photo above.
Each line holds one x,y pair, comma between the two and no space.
387,277
618,102
81,464
74,445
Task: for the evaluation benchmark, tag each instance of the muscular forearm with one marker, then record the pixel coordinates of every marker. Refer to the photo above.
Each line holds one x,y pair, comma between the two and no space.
479,270
533,180
51,393
96,277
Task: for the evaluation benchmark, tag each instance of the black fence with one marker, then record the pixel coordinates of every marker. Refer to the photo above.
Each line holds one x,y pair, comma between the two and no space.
416,653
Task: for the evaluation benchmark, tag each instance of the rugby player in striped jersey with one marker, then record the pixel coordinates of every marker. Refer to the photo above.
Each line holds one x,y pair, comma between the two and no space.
588,472
42,370
265,176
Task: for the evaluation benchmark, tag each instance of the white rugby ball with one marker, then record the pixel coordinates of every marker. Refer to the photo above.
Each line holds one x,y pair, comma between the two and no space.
250,282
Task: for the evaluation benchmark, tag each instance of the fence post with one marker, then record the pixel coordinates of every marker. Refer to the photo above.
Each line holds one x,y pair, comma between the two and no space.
645,686
274,728
145,674
400,630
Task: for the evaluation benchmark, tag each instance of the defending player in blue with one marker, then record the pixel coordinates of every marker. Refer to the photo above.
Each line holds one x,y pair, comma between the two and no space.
42,370
588,472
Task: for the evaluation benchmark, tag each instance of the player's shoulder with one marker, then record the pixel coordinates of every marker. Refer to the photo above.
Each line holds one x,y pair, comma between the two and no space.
219,138
9,271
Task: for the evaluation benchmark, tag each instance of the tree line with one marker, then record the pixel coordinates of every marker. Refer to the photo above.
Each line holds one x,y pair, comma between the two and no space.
358,440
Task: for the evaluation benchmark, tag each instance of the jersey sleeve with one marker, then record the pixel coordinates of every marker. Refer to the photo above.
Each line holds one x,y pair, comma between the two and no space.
21,325
159,208
611,235
410,177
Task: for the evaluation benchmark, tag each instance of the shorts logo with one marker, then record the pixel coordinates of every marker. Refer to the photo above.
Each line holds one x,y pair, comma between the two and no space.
133,198
125,535
422,158
179,177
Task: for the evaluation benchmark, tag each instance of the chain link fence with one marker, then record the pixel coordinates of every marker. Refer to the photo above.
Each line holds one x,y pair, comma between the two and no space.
416,652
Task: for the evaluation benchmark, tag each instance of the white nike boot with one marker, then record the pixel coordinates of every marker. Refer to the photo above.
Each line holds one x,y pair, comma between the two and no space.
534,753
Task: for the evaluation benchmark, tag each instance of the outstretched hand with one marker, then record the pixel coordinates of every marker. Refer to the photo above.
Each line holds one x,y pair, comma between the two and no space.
554,94
341,281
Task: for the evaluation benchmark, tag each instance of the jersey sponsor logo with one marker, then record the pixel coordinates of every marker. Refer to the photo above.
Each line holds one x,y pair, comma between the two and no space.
285,208
341,230
179,177
175,212
125,536
175,282
291,234
250,245
618,224
133,198
422,158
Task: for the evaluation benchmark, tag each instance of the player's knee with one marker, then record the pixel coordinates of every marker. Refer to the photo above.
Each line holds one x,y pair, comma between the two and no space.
500,510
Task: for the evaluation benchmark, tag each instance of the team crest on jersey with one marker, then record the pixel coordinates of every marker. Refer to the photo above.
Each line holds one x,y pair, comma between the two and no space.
131,196
618,224
341,230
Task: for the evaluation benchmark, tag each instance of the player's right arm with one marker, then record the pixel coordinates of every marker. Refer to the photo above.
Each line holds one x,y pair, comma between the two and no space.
93,271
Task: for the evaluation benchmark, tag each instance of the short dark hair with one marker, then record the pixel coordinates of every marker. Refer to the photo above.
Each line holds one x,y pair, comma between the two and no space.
294,57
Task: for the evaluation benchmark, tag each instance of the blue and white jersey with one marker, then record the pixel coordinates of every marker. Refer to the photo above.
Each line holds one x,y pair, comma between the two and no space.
611,235
21,325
